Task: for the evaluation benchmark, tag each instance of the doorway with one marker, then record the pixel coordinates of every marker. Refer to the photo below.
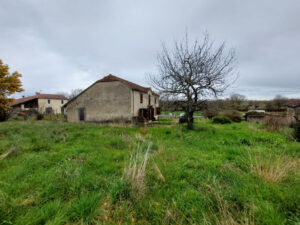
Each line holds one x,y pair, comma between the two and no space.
81,114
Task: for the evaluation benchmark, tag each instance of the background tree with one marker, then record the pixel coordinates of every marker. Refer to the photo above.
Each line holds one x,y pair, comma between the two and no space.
279,102
10,83
237,100
193,72
74,93
69,95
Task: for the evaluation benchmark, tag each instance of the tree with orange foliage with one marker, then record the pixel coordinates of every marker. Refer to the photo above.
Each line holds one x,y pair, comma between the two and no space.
10,83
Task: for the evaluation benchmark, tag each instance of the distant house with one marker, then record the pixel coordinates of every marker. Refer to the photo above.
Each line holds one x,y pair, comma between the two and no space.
43,103
113,99
293,110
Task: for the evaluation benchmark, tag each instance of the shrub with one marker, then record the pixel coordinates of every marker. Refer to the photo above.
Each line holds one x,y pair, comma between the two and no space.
40,116
255,113
210,113
297,131
55,117
16,118
274,123
3,115
233,115
221,120
23,114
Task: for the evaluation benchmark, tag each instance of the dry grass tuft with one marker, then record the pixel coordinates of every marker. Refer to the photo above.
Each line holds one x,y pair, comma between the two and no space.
175,216
28,202
139,137
159,174
135,173
114,213
272,168
228,213
9,152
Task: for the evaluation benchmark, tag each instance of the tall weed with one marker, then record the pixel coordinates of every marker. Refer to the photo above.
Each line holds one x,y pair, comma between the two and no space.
135,173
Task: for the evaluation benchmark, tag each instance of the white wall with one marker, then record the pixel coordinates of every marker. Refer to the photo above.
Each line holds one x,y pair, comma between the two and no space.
136,101
55,104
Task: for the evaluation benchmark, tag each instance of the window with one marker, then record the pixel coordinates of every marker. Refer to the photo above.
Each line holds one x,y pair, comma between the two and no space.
155,100
141,98
62,101
149,99
48,101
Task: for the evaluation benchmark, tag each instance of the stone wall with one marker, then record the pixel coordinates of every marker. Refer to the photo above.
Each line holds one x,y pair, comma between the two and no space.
103,102
279,119
255,119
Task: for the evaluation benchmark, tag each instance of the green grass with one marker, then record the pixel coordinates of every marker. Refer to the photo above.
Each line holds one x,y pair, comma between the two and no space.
63,173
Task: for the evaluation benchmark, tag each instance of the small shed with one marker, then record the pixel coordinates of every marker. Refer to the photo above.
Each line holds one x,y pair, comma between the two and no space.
256,116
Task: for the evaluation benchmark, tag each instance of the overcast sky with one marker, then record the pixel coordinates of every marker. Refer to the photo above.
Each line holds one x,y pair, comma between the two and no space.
60,45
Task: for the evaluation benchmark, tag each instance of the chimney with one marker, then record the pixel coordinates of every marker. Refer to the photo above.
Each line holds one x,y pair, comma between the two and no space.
23,96
37,93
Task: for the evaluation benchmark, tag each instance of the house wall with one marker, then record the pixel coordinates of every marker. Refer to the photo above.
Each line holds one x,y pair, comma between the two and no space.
292,112
104,101
136,101
297,112
55,104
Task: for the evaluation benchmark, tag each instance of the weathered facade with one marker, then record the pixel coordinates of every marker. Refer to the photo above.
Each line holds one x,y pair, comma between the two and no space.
42,103
113,99
293,111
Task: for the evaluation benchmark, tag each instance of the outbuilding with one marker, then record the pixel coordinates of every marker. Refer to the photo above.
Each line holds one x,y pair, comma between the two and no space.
42,103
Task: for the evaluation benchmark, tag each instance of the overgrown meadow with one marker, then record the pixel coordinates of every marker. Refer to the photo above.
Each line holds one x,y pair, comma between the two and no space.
54,172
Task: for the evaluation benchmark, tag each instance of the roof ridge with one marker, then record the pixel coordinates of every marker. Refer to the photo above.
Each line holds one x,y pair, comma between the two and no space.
111,77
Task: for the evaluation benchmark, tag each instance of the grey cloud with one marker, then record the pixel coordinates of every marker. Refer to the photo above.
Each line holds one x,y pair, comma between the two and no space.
61,45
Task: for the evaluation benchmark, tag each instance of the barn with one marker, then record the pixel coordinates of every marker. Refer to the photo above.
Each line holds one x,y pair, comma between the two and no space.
113,99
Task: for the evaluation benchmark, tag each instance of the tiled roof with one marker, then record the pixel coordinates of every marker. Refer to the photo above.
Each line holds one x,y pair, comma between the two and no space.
294,103
37,96
134,86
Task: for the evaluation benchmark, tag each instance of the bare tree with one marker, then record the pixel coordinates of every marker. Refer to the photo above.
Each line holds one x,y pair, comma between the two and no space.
74,93
194,72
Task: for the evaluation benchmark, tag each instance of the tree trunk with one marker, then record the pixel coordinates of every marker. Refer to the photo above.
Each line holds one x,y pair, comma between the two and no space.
190,121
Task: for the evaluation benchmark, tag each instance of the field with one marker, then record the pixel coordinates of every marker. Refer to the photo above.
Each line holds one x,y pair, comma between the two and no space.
63,173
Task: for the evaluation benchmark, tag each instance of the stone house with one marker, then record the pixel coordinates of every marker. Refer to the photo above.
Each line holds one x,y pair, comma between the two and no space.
42,103
113,99
293,110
